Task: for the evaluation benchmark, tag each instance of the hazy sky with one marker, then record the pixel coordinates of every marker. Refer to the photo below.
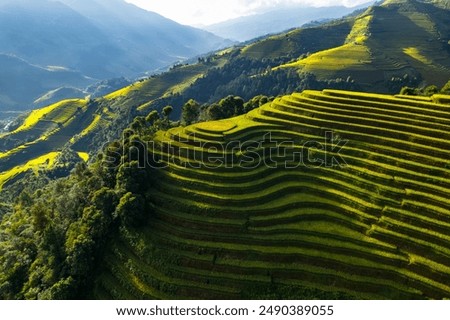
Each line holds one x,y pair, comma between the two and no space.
205,12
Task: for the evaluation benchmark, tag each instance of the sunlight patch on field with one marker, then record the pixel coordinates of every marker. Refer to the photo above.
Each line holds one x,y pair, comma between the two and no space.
360,30
84,156
92,126
88,129
124,91
179,88
354,53
216,126
416,54
46,161
335,59
41,114
11,152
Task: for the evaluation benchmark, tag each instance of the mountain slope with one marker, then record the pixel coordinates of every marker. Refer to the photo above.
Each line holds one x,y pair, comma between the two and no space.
99,39
254,69
275,21
85,125
22,82
151,41
394,40
59,94
272,204
334,191
316,195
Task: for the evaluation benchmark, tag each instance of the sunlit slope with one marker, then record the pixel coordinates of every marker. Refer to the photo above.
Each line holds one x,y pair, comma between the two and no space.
43,133
377,227
45,161
299,40
391,40
77,123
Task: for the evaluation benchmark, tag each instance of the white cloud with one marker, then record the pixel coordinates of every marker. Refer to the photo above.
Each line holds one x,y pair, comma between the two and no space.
204,12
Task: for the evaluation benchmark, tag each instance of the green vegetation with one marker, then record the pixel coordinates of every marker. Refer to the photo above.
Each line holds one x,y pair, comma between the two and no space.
356,229
352,53
377,227
46,161
413,52
120,228
426,92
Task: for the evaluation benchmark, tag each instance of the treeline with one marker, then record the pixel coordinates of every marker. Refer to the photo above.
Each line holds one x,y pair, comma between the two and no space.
248,78
426,91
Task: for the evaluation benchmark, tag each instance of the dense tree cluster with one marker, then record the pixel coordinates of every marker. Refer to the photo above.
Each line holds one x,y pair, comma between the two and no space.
426,91
247,78
230,106
52,239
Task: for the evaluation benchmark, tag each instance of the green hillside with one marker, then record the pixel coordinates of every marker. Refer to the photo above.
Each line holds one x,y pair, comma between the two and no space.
330,192
377,227
400,43
85,125
43,131
392,40
396,44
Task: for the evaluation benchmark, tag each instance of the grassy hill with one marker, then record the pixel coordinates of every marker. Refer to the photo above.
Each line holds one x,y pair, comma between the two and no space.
398,38
85,125
398,43
403,43
368,52
272,226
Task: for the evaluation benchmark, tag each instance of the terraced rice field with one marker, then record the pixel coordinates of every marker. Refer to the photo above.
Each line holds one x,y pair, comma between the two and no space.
43,134
45,161
376,49
375,226
59,113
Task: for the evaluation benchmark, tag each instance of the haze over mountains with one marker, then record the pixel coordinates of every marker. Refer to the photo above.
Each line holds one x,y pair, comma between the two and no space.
91,39
277,20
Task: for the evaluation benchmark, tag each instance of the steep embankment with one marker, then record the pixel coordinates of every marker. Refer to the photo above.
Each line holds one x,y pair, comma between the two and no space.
274,226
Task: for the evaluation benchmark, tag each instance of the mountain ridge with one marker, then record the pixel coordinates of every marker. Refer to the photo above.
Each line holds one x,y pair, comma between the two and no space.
19,84
277,21
97,41
379,51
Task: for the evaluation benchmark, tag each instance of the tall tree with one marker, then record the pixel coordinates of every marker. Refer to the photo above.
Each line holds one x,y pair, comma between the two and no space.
190,112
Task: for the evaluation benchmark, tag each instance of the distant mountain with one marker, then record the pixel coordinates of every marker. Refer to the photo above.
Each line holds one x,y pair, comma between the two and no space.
278,20
148,40
97,38
21,82
58,94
